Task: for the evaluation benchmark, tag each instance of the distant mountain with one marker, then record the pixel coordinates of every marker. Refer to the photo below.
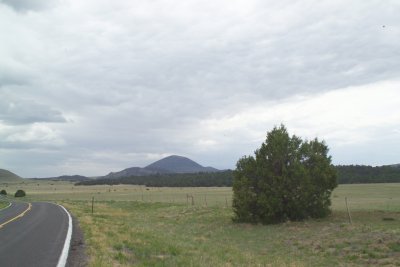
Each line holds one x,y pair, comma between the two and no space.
8,177
168,165
178,164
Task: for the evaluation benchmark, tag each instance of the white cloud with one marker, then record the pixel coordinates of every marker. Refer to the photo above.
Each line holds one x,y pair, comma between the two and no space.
345,117
35,135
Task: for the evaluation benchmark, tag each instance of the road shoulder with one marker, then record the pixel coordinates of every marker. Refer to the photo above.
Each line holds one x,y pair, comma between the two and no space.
77,253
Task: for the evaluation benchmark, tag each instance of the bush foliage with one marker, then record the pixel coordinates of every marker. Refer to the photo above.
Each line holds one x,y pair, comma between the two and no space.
287,179
20,193
3,192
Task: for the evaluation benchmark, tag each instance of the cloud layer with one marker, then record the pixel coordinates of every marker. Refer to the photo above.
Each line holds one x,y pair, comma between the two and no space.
94,86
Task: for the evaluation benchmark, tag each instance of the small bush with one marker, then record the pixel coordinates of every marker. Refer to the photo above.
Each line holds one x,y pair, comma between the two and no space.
3,192
20,193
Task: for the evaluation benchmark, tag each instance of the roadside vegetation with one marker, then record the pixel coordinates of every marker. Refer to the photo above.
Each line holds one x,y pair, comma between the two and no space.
135,225
3,204
3,200
148,234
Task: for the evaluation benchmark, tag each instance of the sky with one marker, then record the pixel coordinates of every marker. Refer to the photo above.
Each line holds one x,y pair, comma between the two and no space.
89,87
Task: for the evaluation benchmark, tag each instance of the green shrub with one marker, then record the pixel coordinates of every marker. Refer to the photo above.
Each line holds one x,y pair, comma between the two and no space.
3,192
20,193
288,179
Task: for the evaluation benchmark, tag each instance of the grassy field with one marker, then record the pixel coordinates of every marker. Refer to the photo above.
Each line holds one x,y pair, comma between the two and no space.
140,226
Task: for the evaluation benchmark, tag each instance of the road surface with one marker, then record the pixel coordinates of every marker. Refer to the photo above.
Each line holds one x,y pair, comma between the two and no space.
34,234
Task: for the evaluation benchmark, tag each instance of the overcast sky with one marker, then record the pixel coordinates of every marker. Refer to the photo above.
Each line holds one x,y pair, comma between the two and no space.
89,87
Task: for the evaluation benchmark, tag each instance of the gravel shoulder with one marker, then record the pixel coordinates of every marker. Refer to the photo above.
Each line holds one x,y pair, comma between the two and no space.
77,253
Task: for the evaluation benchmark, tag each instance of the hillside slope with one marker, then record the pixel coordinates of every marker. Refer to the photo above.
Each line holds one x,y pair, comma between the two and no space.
8,177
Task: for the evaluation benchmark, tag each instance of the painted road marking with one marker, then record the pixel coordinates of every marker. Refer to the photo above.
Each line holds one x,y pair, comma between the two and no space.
18,216
62,261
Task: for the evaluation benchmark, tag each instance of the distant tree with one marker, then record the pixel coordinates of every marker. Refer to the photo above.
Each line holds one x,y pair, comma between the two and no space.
20,193
222,178
3,192
288,179
353,174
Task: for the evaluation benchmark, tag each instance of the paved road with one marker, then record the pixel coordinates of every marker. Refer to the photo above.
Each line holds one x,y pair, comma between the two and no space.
36,238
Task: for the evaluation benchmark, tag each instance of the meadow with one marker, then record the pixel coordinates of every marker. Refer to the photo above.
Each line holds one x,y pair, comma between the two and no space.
135,225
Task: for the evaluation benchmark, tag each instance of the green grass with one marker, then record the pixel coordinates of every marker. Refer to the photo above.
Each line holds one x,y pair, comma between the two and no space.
382,197
159,227
3,204
162,234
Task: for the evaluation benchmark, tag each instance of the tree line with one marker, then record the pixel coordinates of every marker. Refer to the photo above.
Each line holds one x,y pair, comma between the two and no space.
361,174
346,174
223,178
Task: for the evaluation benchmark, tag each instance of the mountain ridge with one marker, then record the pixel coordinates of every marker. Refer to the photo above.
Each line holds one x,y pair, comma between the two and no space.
167,165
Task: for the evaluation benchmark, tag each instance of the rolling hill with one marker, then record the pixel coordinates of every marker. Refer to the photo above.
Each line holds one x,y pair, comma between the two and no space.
8,177
168,165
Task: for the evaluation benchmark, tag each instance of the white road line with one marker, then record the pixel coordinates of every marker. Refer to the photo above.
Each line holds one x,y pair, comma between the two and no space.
64,254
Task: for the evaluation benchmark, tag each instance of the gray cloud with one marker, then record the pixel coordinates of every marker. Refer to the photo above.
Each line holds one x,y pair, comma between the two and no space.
17,111
332,47
29,5
139,78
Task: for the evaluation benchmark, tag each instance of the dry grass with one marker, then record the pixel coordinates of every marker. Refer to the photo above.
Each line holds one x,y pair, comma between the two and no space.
157,227
161,234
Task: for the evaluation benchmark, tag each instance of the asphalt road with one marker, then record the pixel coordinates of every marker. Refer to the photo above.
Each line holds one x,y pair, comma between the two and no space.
35,238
